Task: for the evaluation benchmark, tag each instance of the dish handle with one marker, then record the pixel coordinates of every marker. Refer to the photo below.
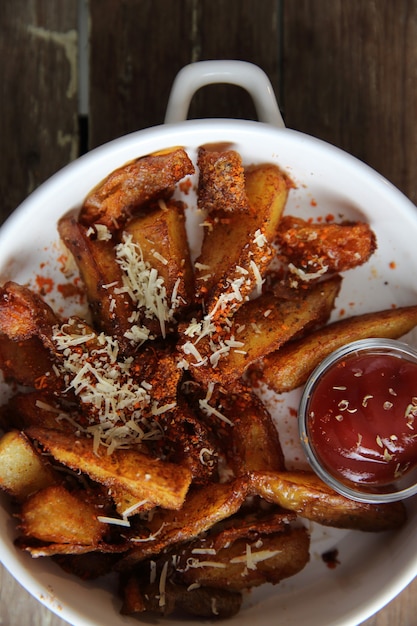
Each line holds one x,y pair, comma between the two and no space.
242,73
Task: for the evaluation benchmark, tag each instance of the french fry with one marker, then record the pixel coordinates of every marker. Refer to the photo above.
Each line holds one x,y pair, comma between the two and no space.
26,323
57,516
36,408
102,277
253,439
133,185
307,495
221,183
23,470
244,564
290,367
139,596
260,326
236,248
163,484
202,508
162,239
324,248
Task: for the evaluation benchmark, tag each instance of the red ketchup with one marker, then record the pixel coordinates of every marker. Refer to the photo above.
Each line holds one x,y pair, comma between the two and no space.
362,418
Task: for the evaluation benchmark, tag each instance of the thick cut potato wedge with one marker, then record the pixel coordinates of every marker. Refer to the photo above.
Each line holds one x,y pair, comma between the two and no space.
245,564
162,238
133,185
22,470
23,314
235,251
37,408
139,595
221,183
55,515
318,248
260,326
101,276
253,440
202,508
306,494
290,366
163,484
26,323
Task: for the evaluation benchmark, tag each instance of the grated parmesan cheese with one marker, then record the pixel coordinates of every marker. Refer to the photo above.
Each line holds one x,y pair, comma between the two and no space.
145,287
119,407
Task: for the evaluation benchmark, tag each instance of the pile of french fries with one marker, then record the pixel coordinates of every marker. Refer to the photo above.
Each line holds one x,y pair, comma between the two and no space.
135,441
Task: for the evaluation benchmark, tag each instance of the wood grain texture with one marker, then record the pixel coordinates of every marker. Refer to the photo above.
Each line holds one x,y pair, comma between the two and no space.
349,77
135,57
38,97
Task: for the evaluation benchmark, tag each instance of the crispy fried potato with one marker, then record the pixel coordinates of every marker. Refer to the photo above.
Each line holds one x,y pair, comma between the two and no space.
22,470
26,323
91,565
127,504
133,185
191,442
139,595
23,314
267,189
290,367
38,549
164,484
318,248
37,408
254,441
235,251
221,183
55,515
244,564
162,238
260,326
306,494
202,508
102,277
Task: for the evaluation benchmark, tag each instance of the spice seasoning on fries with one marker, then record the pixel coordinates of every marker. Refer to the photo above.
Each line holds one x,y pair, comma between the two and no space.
138,444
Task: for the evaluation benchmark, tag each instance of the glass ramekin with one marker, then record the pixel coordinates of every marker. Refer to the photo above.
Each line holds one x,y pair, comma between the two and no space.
403,487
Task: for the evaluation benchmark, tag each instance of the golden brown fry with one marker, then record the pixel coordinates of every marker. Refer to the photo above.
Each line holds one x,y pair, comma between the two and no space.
102,278
139,596
190,442
221,183
236,248
133,185
322,248
91,565
306,494
202,508
162,238
55,515
37,408
164,484
290,367
22,470
253,441
260,326
26,323
245,564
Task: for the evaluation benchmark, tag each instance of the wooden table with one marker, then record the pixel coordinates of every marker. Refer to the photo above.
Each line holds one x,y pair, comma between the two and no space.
344,71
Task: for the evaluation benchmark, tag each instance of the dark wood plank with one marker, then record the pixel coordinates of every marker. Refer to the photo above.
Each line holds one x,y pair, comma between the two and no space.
349,78
38,98
247,30
136,55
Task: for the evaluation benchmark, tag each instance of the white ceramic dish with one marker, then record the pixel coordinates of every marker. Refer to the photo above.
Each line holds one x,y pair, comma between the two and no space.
373,568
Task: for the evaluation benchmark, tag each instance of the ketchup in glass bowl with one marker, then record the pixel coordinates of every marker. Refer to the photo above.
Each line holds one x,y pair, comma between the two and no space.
358,420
